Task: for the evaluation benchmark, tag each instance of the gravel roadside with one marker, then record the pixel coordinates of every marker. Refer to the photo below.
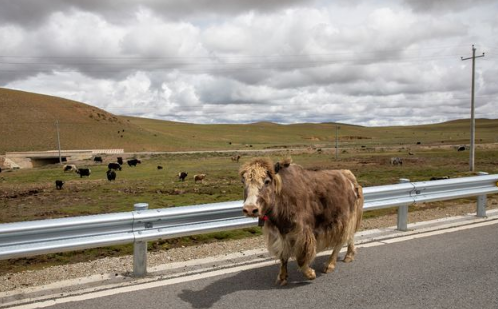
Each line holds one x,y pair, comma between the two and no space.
122,265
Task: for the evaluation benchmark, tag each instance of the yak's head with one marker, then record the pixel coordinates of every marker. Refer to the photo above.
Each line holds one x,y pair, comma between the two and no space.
261,185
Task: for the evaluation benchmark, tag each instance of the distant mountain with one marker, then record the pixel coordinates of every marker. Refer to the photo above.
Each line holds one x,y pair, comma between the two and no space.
28,123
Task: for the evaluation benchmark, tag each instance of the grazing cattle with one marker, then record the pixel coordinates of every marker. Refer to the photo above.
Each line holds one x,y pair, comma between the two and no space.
114,166
134,162
97,159
120,160
69,168
396,161
111,175
303,212
199,177
159,167
0,169
59,184
235,158
182,176
440,178
84,172
461,148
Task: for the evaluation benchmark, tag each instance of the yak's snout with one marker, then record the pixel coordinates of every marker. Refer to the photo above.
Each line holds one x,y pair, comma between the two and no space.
250,210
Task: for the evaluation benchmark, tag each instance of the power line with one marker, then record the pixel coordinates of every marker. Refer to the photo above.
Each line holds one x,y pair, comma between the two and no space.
335,53
215,64
226,62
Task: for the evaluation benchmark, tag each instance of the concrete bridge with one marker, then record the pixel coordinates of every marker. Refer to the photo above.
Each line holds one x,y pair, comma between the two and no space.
32,159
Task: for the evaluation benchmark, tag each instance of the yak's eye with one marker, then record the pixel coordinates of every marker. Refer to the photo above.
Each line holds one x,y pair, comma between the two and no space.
267,181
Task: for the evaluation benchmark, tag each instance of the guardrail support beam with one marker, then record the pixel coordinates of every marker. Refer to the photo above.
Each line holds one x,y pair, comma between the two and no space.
482,200
481,206
140,250
403,218
402,224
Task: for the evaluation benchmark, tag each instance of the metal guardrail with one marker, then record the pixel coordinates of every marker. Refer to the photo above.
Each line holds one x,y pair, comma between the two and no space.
22,239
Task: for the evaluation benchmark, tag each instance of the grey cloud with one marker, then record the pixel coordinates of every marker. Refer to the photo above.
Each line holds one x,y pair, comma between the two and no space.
444,6
33,12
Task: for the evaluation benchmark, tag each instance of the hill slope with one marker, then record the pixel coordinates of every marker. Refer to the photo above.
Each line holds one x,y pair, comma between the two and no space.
27,123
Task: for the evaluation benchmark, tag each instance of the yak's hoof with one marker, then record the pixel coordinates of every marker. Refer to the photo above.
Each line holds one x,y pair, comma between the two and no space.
348,259
310,274
328,268
281,282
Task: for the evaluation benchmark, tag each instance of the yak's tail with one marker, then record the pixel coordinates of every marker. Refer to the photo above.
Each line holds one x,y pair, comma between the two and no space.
360,198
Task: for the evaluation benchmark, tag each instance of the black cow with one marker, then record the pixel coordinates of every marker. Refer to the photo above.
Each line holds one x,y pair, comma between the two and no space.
111,175
114,166
440,178
134,162
59,184
159,167
120,160
97,159
0,169
461,148
84,172
182,176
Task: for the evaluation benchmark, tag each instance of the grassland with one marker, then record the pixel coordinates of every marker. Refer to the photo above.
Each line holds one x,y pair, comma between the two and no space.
29,194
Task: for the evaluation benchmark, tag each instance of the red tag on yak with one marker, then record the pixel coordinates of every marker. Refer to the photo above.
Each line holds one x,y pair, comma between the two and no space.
261,220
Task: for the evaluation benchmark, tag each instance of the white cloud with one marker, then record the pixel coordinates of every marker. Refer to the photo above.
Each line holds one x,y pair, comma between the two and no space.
362,62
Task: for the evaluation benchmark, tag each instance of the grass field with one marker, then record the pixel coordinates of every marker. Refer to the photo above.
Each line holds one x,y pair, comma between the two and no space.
30,194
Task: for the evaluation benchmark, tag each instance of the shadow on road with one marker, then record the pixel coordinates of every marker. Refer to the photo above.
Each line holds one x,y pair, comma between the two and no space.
260,279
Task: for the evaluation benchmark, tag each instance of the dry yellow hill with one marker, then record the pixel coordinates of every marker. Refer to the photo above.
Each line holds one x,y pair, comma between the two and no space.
28,123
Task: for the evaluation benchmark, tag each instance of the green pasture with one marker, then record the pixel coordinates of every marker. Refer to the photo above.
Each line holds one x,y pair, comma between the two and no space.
30,194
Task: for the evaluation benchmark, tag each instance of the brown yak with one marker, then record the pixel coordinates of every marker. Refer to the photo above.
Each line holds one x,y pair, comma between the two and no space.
303,212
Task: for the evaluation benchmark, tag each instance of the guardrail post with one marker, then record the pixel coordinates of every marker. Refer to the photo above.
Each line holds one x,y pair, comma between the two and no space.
481,201
403,212
140,250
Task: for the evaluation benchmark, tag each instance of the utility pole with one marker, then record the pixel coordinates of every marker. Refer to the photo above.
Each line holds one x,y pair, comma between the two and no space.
337,142
58,140
472,118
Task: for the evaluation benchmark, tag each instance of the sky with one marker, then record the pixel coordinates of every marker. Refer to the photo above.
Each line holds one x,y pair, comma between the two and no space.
370,63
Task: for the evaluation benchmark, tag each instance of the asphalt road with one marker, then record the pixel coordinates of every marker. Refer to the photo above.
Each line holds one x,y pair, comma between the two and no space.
452,270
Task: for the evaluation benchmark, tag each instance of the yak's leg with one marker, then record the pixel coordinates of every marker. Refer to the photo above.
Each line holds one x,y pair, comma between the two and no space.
330,265
282,275
351,251
305,253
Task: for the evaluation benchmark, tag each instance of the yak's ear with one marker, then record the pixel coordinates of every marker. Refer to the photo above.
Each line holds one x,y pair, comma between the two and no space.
277,167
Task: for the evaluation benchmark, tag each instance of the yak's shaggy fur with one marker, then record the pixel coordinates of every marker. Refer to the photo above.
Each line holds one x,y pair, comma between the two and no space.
304,212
